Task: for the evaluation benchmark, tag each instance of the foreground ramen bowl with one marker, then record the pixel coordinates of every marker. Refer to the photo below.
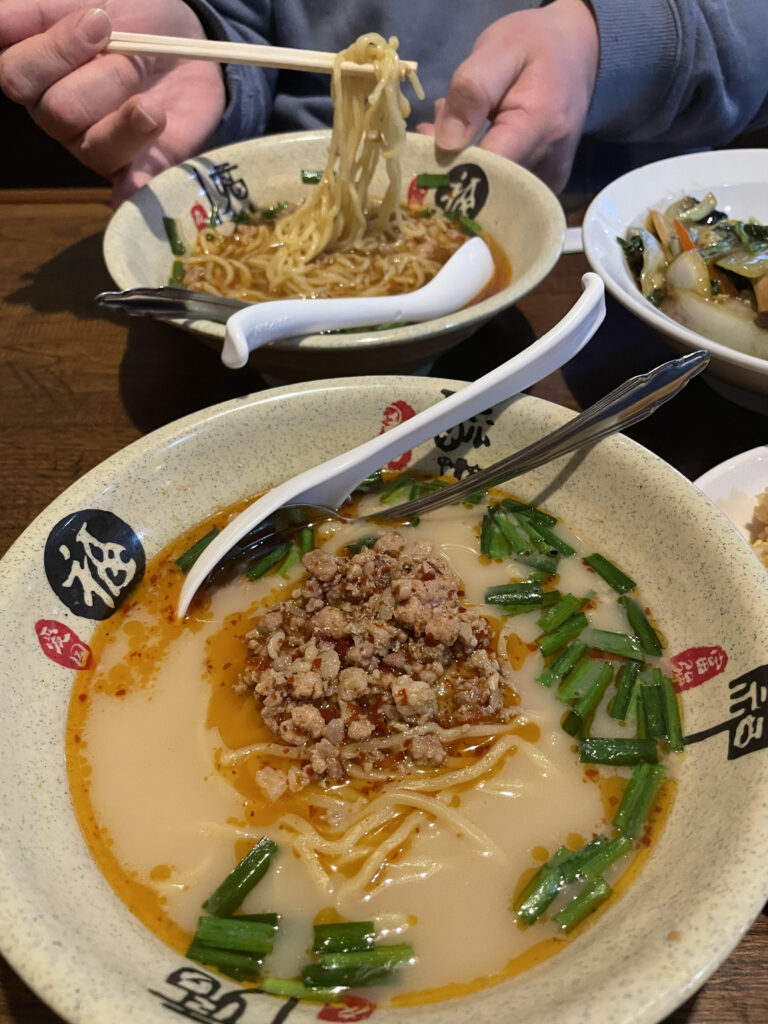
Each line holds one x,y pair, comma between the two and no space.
737,178
520,211
71,938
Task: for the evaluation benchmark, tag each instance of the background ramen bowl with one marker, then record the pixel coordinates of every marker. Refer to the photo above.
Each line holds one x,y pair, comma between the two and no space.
738,179
521,212
77,944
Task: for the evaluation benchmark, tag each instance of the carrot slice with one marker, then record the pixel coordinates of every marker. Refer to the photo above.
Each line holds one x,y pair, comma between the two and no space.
685,239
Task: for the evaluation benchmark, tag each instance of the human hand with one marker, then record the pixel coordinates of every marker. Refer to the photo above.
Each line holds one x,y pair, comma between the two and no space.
126,118
531,74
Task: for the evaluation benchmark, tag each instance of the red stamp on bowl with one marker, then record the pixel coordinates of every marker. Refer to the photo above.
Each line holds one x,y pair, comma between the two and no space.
62,645
696,665
397,412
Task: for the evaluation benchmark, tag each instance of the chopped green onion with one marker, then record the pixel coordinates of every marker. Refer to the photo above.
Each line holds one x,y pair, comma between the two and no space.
269,561
311,177
656,297
240,966
551,642
621,644
612,575
355,546
274,211
432,180
290,988
321,976
581,906
579,679
172,231
343,937
470,226
236,934
371,483
230,894
644,631
638,796
474,499
619,707
533,534
651,696
586,705
567,606
563,664
528,592
380,956
191,555
177,272
542,888
270,918
427,212
674,727
603,857
516,540
493,543
621,750
397,489
536,515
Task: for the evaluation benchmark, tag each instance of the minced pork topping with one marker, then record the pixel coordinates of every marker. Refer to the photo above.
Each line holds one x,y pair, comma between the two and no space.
367,647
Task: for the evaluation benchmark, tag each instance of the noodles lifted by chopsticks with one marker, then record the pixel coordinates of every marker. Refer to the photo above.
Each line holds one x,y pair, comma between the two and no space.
338,242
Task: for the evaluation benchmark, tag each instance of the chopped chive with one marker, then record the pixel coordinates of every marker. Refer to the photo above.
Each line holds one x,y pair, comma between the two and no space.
236,934
305,540
291,558
191,555
638,796
470,226
551,642
528,592
533,535
274,211
271,919
172,231
573,867
516,540
652,696
311,177
355,546
581,906
290,988
343,937
432,180
567,606
399,488
474,499
237,965
617,750
379,956
674,727
321,976
612,575
622,644
371,483
619,706
586,705
542,888
563,664
493,543
536,515
579,679
606,855
177,273
642,628
427,212
269,561
230,894
548,598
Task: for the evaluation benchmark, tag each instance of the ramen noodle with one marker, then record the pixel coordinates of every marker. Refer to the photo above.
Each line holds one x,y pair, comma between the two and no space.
337,241
377,714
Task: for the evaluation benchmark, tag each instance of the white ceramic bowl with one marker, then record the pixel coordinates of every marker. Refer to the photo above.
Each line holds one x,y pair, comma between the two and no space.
519,210
734,486
75,942
738,179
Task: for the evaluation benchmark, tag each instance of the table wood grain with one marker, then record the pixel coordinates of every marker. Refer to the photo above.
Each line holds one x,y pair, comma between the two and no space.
77,385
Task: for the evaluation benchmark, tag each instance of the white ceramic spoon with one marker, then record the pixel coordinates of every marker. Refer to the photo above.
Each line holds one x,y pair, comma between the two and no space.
332,481
465,274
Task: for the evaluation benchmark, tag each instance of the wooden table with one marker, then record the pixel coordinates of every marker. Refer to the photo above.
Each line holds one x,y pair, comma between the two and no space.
76,386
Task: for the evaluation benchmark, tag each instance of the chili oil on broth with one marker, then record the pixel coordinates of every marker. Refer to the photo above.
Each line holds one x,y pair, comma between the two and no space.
166,815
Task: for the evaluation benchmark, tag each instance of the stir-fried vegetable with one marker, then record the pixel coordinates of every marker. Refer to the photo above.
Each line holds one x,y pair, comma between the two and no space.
706,270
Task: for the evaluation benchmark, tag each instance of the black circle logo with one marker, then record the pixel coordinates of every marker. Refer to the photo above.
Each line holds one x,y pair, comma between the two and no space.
467,193
93,560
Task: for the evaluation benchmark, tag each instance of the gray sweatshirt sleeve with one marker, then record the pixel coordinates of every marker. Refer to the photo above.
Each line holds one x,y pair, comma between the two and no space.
250,90
689,72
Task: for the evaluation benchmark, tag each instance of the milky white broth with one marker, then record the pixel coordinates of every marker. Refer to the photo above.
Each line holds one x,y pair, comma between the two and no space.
163,821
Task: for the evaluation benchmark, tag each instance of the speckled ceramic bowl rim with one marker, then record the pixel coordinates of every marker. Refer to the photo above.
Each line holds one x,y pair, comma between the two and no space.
675,175
89,981
514,177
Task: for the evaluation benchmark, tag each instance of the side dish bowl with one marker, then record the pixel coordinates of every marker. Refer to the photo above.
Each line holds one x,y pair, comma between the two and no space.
71,938
737,179
522,214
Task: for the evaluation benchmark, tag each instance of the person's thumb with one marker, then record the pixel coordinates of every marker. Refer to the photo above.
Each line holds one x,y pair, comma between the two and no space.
462,114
